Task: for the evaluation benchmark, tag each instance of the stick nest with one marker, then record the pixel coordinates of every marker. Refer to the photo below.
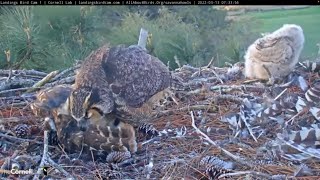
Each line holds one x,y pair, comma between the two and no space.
217,128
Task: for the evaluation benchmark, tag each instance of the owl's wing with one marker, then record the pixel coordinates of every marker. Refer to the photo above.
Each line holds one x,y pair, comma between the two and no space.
53,97
90,72
275,50
134,75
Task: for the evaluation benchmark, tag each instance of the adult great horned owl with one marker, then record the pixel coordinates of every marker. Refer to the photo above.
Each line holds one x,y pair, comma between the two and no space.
116,77
275,54
91,89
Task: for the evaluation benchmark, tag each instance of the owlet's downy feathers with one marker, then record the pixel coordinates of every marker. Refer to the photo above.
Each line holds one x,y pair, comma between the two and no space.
276,54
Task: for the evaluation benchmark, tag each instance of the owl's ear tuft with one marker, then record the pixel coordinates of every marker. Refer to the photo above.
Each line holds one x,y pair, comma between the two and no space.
87,98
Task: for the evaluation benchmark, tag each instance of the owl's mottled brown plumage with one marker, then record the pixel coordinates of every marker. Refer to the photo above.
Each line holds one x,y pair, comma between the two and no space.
103,134
91,90
134,75
52,98
138,81
275,54
147,110
118,78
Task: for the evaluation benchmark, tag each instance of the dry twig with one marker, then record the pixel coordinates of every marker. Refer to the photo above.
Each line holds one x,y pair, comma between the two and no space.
259,174
19,139
65,72
43,81
47,160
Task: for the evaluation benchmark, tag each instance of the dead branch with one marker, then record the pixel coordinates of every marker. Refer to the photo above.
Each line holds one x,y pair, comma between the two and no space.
187,108
210,63
228,97
142,42
47,160
11,120
67,72
4,85
19,139
15,98
276,98
216,98
43,81
19,104
244,88
248,126
5,92
259,174
44,156
15,101
187,68
67,80
51,123
217,76
23,73
57,166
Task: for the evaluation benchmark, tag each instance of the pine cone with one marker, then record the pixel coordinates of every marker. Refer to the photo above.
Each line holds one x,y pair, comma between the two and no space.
22,130
214,172
117,156
215,166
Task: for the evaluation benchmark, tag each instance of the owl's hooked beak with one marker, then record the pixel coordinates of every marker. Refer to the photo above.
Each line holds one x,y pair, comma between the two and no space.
83,124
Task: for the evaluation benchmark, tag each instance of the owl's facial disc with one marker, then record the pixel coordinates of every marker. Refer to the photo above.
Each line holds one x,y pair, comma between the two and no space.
80,102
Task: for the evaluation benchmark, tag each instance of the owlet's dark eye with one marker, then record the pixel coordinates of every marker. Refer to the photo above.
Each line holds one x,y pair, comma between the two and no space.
86,114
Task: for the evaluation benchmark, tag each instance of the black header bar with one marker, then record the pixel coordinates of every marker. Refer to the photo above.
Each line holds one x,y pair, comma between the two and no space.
168,2
56,2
